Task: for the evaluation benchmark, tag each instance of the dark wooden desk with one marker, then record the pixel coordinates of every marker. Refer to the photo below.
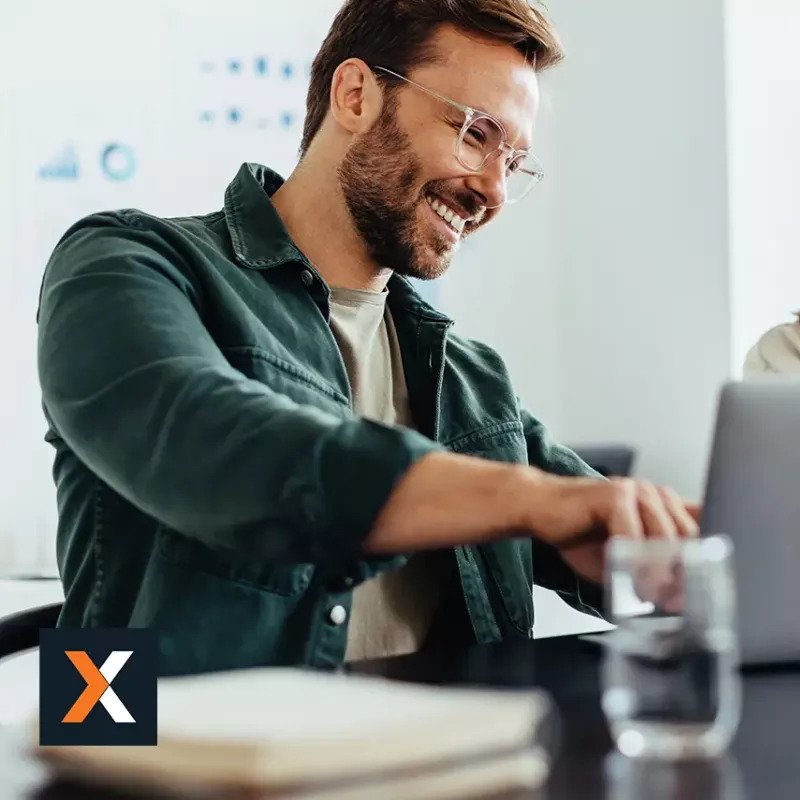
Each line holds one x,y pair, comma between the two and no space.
764,763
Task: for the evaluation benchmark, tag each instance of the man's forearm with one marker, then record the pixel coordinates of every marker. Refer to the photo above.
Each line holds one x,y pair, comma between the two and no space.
447,499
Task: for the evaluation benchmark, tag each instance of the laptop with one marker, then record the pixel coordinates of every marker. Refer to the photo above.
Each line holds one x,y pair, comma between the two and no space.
753,496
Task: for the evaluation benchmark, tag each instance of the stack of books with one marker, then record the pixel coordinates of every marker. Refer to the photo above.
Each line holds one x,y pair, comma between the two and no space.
281,733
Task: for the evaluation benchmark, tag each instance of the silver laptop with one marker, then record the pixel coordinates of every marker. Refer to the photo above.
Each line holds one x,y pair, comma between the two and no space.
753,496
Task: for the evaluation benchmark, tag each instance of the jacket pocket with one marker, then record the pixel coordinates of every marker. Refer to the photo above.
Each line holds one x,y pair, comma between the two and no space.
503,441
283,579
208,622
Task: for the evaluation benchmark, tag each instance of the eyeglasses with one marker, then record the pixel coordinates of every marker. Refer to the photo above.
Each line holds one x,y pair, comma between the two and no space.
482,140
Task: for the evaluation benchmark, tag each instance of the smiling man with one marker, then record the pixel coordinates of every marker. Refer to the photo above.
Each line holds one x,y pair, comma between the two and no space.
268,447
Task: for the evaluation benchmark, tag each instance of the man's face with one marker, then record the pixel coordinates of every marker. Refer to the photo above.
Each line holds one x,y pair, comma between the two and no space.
393,175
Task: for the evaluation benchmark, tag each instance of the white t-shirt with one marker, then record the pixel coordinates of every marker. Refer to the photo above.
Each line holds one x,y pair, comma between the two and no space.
392,613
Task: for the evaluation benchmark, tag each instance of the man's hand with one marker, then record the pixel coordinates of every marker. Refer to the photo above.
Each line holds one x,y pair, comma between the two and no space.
577,515
448,499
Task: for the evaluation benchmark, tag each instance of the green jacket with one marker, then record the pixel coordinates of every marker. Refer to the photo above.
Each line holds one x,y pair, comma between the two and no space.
212,480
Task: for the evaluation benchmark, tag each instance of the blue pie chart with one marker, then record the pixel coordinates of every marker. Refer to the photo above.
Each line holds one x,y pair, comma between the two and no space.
118,162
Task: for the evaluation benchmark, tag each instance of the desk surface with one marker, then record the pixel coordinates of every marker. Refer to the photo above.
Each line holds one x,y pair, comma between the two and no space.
764,763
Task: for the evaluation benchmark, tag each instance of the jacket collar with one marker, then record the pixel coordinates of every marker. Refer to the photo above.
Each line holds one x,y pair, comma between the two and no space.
403,295
261,241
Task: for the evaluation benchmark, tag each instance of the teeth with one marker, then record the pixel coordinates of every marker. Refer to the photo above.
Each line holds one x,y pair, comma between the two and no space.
447,214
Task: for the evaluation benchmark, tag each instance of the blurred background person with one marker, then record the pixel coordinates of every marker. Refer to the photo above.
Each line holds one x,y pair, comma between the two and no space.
777,352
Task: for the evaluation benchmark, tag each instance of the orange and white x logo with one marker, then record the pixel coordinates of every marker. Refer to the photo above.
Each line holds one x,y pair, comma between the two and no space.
98,687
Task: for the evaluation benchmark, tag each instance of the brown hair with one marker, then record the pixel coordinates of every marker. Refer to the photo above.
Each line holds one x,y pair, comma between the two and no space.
396,34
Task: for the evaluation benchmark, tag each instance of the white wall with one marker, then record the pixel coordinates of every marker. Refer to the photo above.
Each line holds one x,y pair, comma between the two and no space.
644,289
763,69
503,289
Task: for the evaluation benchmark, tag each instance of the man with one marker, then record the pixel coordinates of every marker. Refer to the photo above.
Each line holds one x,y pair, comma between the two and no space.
268,447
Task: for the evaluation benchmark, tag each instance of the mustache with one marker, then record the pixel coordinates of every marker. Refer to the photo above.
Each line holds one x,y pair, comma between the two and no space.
459,199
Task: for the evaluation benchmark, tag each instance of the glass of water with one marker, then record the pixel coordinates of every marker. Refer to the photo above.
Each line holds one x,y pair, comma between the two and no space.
671,685
638,779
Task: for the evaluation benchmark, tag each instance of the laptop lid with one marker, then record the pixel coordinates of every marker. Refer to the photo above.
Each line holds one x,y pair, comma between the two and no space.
753,496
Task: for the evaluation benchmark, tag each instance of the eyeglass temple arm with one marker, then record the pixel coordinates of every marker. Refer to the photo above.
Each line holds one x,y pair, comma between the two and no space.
466,109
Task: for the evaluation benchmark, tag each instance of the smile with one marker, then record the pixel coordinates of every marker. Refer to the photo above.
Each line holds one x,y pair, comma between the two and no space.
455,221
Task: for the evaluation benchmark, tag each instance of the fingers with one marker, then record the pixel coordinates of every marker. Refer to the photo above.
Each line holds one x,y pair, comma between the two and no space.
662,515
685,516
623,517
640,509
657,518
695,510
660,582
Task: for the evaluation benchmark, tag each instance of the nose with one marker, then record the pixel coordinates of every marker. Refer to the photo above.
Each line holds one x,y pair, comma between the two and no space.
490,184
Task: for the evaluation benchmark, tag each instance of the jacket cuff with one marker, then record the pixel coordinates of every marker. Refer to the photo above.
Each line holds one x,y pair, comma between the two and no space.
334,504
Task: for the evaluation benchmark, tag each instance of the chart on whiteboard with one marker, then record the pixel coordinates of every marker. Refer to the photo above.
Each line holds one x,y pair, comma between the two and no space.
238,95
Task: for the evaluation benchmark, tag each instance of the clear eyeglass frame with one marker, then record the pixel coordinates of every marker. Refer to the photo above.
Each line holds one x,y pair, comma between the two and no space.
519,179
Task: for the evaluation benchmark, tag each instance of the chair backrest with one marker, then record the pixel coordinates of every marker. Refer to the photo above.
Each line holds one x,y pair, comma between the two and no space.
609,460
20,631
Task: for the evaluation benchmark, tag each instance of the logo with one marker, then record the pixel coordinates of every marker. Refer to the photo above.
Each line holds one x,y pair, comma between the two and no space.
97,687
62,167
117,162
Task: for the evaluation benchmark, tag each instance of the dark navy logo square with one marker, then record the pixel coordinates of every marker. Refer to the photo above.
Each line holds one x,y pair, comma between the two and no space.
98,687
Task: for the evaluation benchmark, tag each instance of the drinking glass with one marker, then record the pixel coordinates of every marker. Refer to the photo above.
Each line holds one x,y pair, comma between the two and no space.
671,684
637,779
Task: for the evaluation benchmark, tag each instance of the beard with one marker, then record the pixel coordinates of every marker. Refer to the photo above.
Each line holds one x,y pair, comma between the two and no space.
378,176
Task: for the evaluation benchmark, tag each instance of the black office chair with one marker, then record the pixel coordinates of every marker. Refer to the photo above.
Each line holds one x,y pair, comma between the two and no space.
20,631
609,460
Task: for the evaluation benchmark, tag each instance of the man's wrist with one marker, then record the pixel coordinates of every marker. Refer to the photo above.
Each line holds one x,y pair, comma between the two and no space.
521,489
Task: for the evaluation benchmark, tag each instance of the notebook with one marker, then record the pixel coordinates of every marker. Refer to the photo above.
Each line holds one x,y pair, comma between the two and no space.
322,736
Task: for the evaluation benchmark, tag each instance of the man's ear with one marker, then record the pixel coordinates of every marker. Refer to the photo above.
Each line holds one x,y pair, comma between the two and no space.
356,99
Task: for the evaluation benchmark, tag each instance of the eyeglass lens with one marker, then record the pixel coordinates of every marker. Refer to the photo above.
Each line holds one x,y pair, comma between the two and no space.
482,143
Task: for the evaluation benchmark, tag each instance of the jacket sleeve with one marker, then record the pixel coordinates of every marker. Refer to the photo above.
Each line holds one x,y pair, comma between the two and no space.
549,569
136,386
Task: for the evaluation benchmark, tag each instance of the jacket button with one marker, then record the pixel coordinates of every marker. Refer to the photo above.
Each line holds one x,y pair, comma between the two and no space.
338,615
306,277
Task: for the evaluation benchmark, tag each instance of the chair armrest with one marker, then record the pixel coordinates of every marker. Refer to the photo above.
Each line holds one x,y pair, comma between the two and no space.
20,631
